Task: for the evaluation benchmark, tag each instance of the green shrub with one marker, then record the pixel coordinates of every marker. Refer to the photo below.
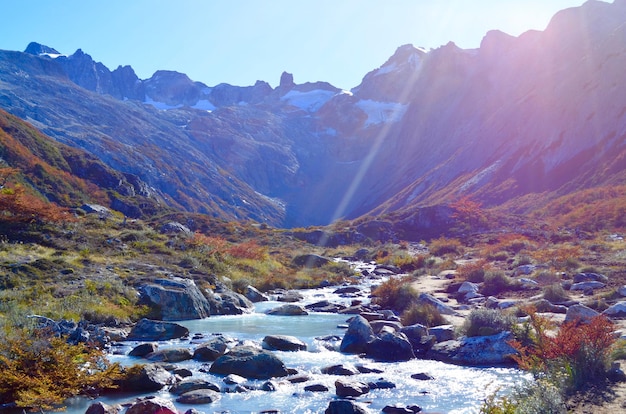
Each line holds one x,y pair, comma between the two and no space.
422,313
496,282
395,293
537,397
443,246
555,293
481,322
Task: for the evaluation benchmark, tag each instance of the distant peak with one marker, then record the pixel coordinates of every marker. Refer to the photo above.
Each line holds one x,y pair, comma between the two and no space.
36,49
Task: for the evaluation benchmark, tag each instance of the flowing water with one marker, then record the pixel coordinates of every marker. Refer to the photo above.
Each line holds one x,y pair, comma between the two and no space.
454,389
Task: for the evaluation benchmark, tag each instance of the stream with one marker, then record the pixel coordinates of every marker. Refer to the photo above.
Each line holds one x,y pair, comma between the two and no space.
453,389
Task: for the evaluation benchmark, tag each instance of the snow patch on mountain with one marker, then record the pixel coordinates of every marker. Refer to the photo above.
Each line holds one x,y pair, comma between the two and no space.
381,112
204,105
160,105
309,101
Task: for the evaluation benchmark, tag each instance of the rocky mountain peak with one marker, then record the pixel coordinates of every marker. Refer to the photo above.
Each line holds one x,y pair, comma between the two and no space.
35,48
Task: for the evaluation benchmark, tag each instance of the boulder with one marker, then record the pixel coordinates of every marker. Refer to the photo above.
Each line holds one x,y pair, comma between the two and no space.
249,362
345,389
390,347
226,302
144,349
344,370
584,286
175,299
152,406
150,330
102,408
316,388
400,409
590,277
379,326
438,304
381,384
283,343
97,209
476,350
580,313
442,332
170,355
148,377
347,290
422,376
544,305
616,310
622,290
174,227
358,335
193,384
212,349
310,260
288,310
201,396
345,407
254,295
290,296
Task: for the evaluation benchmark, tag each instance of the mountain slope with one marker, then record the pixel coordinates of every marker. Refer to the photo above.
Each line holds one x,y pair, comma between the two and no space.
522,118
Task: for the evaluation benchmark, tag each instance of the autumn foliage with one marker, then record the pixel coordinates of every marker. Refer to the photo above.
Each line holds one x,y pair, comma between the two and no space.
40,371
577,354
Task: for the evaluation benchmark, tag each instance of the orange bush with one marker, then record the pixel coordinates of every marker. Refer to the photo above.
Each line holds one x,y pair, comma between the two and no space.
247,250
578,353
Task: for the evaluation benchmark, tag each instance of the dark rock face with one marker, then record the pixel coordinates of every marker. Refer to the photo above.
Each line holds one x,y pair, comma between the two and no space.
227,302
249,363
345,370
288,310
170,355
193,384
310,260
150,330
175,299
142,350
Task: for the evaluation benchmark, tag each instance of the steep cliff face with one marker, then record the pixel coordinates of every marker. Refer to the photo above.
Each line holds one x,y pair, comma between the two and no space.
542,113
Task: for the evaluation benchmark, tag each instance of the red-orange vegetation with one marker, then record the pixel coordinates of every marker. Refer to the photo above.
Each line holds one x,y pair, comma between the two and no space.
17,205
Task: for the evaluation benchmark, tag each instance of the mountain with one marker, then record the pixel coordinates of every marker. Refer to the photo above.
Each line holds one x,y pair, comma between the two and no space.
514,123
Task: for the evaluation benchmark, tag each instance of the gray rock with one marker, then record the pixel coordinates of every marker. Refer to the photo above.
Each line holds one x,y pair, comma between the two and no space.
316,388
288,310
148,377
390,347
379,325
396,409
442,332
616,310
150,330
345,407
193,384
175,299
525,269
202,396
290,296
422,376
170,355
344,370
590,277
174,227
254,295
467,287
544,305
213,348
227,302
476,350
152,406
249,362
97,209
358,335
438,304
580,313
144,349
283,343
622,290
102,408
310,260
587,286
345,389
234,379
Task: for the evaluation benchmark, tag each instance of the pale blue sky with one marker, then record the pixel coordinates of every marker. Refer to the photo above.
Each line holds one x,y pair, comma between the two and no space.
241,41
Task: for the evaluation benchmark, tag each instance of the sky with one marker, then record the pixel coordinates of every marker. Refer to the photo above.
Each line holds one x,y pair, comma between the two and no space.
242,41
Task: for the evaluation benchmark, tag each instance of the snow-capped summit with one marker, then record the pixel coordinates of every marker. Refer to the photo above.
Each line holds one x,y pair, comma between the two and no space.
37,49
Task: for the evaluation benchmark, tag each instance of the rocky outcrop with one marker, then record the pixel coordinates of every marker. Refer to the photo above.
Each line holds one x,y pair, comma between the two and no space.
390,346
223,301
175,299
250,363
580,313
